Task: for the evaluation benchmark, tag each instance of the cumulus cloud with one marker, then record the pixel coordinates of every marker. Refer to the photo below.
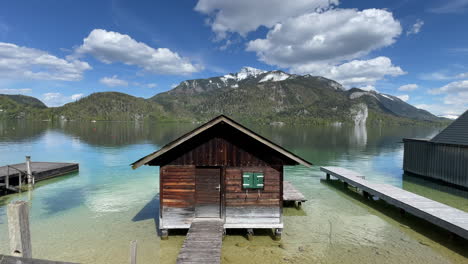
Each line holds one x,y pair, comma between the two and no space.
110,47
455,100
356,73
408,87
58,99
415,28
453,87
15,91
244,16
18,62
328,37
404,97
113,81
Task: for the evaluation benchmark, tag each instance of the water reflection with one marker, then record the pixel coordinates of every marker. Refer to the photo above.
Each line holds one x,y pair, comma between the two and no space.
359,136
442,193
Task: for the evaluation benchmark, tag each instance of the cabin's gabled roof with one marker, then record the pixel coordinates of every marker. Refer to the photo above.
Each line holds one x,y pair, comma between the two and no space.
210,124
456,133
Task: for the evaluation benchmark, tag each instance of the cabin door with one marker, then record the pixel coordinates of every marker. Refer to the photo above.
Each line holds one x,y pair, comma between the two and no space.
208,192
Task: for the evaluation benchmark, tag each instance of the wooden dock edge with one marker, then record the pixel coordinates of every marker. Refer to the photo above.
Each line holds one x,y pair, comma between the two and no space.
458,226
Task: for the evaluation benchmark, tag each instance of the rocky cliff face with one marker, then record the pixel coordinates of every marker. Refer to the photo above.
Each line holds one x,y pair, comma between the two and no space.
359,114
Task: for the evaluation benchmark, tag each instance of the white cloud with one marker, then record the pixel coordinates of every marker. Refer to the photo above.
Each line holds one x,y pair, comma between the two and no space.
449,111
356,73
452,6
18,62
462,75
442,75
451,116
404,97
455,100
151,85
244,16
113,81
408,87
416,28
453,87
15,91
75,97
435,76
58,99
174,85
110,47
333,36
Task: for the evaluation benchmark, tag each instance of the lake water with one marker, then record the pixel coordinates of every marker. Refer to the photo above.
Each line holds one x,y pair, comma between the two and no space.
91,216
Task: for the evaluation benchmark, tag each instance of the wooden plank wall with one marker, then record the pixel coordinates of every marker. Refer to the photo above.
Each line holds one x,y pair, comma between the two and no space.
448,163
177,194
260,206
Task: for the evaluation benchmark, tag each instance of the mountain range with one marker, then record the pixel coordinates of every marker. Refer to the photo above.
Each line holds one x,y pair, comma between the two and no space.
273,97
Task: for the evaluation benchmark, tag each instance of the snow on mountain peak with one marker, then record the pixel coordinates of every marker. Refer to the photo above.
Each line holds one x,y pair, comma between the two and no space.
275,76
247,72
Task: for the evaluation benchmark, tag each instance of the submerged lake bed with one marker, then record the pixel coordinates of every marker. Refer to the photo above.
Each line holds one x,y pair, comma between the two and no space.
92,215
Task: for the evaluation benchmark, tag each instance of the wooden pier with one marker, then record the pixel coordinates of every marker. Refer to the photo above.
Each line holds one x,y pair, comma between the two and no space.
291,194
446,217
10,175
203,242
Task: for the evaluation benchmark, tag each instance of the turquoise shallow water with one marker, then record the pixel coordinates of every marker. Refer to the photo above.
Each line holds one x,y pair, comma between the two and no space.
91,216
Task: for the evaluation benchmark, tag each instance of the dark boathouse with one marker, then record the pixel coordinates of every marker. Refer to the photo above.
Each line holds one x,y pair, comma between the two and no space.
221,170
442,158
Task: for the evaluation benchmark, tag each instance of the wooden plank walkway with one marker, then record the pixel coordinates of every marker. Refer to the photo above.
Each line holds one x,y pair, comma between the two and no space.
291,194
444,216
203,242
16,260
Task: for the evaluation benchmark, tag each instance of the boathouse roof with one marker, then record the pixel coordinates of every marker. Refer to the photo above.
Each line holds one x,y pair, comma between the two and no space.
222,119
456,133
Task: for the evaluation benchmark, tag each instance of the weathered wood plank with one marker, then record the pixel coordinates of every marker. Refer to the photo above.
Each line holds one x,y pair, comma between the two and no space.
434,212
133,252
203,242
18,227
290,193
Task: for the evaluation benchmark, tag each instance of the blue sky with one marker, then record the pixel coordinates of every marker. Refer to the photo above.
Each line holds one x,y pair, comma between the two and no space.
61,50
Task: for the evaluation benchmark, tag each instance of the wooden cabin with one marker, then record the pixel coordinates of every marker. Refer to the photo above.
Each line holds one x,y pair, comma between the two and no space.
442,158
221,170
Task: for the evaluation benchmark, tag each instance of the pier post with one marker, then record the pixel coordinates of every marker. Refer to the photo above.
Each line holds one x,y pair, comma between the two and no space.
164,234
328,177
133,252
365,194
19,181
18,227
278,232
28,170
250,234
7,179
